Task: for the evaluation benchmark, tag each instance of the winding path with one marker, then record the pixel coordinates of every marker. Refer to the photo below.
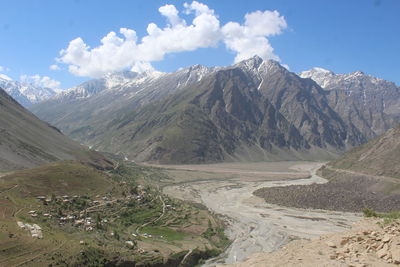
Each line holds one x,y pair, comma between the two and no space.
254,225
157,219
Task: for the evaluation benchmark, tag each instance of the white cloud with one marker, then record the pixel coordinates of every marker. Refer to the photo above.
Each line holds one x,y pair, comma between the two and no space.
54,67
125,51
40,81
251,38
171,13
141,66
2,68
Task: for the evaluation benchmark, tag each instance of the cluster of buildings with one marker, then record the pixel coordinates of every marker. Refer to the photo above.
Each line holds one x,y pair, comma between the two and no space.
36,230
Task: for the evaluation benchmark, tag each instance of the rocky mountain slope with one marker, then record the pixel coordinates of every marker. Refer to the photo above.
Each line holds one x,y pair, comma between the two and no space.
26,141
85,109
368,103
254,110
25,93
379,157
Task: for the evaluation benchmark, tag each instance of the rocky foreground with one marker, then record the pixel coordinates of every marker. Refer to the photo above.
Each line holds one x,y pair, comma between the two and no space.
367,244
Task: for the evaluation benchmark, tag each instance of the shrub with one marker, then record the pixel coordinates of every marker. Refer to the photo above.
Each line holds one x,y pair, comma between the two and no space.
369,213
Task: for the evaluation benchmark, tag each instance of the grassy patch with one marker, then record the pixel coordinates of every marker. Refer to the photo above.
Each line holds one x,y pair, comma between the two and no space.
388,217
164,232
59,178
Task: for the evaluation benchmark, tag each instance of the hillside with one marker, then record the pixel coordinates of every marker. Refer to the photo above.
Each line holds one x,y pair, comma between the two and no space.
69,214
378,157
26,141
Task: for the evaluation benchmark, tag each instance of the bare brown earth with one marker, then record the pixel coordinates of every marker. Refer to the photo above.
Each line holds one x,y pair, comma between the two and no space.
346,191
366,244
256,171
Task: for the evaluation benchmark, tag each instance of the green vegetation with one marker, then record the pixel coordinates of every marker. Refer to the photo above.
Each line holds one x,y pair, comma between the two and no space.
369,213
216,234
388,217
164,232
90,256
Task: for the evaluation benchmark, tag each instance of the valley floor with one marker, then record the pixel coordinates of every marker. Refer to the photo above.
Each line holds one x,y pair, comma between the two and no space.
253,225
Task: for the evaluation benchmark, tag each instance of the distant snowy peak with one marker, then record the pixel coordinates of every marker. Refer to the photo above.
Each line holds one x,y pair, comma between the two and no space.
357,80
83,90
252,64
109,82
140,78
118,79
25,93
191,74
321,76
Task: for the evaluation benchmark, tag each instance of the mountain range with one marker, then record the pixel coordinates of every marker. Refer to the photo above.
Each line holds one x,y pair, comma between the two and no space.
26,141
371,104
25,93
253,110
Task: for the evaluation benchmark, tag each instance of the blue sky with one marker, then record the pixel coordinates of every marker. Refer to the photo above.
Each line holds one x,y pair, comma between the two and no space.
342,36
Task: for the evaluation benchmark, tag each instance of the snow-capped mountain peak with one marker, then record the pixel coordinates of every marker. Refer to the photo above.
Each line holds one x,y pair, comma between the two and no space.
319,75
349,81
111,81
25,93
321,70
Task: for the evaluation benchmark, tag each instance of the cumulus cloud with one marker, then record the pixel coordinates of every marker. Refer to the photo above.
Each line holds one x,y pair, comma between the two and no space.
251,38
126,51
40,81
54,67
171,13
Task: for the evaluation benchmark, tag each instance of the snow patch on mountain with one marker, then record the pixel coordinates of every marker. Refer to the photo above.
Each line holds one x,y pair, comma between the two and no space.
5,77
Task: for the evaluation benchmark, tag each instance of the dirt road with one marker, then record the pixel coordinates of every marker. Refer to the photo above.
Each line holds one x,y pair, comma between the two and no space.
254,225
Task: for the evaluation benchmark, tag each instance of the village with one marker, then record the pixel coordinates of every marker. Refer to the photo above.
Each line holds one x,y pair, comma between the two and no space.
98,213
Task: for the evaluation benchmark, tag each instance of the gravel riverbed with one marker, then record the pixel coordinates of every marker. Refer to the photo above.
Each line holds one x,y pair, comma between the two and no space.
257,226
